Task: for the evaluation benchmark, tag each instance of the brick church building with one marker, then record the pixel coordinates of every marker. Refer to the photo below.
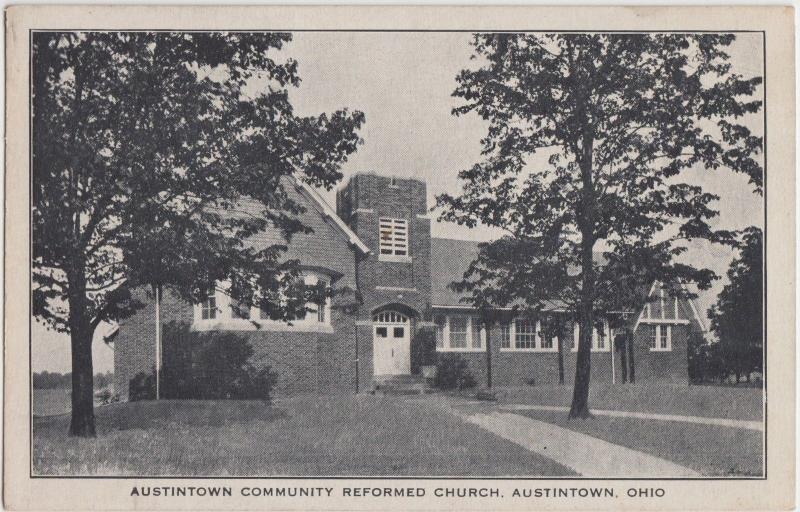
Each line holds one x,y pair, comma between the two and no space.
390,280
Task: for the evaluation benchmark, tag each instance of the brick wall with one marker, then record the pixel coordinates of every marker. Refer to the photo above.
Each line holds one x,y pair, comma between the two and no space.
516,368
135,346
367,198
304,361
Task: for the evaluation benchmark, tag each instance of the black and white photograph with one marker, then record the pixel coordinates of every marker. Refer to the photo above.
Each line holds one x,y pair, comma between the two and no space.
402,262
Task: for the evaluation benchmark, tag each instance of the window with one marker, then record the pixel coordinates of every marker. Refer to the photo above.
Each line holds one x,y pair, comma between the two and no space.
209,306
477,333
440,322
505,336
677,309
547,343
458,331
382,332
389,317
660,338
240,310
393,237
399,332
663,303
576,336
318,311
525,335
600,341
221,311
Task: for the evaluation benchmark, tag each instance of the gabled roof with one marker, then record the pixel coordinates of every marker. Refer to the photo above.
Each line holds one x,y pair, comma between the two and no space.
330,213
450,258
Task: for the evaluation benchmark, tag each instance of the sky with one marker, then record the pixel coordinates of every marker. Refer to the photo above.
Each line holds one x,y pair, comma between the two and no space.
403,83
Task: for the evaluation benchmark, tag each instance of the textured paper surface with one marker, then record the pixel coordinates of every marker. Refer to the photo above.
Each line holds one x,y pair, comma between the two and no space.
776,491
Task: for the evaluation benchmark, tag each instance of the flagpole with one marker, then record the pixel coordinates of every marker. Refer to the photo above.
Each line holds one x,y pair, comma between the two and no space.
613,349
158,342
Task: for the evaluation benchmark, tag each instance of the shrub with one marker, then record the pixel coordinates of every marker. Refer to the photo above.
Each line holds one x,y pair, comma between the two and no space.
452,372
423,349
104,396
142,387
205,366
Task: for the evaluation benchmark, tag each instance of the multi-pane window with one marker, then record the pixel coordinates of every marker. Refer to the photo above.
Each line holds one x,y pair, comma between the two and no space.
525,335
318,311
458,331
505,336
546,343
393,237
476,333
208,307
600,339
240,310
228,312
576,336
440,322
660,337
461,333
663,337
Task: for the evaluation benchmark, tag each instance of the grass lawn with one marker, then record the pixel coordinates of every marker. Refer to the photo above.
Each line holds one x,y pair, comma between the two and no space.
744,403
711,450
47,402
303,436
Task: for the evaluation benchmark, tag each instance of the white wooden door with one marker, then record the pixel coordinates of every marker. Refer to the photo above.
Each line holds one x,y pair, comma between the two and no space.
391,344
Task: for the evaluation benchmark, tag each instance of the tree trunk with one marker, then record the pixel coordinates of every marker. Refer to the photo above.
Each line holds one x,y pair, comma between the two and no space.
631,363
82,422
623,355
586,224
580,393
81,333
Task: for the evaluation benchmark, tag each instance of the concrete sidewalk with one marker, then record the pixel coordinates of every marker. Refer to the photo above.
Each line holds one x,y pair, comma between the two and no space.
584,454
758,426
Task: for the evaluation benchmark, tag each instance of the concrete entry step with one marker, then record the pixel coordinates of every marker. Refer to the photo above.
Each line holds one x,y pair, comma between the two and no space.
400,385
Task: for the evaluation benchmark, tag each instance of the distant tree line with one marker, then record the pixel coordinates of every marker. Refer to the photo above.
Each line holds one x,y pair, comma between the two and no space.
55,380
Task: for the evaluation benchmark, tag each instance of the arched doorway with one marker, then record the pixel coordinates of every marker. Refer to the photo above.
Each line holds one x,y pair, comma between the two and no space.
391,343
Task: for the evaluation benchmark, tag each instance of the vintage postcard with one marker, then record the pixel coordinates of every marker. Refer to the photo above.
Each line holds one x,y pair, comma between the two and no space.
399,258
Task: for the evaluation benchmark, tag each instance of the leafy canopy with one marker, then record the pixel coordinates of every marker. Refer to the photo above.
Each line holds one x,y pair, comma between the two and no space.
154,162
738,316
588,137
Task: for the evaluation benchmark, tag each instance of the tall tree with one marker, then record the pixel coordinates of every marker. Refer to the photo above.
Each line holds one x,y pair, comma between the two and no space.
145,146
588,137
738,316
